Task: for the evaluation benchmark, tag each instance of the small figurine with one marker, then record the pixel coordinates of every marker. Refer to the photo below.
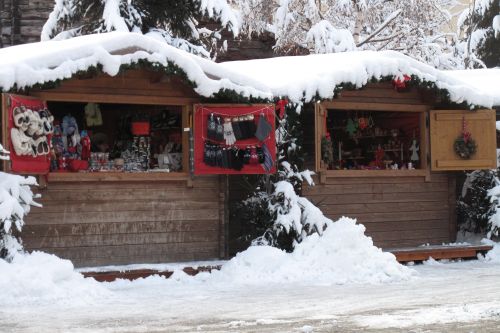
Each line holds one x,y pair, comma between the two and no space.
85,142
414,149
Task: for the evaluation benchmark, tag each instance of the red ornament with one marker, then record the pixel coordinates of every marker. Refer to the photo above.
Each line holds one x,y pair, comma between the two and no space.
281,104
465,133
400,84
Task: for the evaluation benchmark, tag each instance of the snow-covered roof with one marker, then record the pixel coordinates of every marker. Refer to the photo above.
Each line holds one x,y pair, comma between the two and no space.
30,64
298,78
304,76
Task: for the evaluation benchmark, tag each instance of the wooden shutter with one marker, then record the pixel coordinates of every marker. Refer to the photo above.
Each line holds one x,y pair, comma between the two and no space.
446,126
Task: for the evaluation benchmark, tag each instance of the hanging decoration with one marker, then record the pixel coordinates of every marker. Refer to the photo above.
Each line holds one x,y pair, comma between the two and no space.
401,84
465,147
352,127
281,104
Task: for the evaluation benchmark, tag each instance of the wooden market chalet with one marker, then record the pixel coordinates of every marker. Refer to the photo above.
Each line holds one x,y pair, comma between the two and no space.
132,166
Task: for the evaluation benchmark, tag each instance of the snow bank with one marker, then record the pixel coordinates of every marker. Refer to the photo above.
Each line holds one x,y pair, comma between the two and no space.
342,255
44,279
493,255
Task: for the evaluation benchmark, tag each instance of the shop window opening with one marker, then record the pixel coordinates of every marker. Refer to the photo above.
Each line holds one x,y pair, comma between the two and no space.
91,137
367,140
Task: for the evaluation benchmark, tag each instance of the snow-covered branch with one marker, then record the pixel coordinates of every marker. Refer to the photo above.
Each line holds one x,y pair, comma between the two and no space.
384,25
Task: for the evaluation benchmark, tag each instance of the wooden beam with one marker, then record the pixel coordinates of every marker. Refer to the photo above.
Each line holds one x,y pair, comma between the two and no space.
5,129
118,99
438,252
375,173
340,105
116,176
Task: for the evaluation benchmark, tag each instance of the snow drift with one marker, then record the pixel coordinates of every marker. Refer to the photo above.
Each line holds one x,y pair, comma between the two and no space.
41,278
342,255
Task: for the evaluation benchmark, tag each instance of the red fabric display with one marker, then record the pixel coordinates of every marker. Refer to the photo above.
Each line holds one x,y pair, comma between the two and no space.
26,109
226,140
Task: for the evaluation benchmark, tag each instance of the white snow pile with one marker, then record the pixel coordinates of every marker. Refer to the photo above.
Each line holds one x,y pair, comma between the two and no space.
342,255
42,279
493,255
299,78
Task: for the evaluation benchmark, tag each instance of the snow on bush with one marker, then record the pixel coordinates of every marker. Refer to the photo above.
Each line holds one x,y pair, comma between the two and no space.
16,199
342,255
41,278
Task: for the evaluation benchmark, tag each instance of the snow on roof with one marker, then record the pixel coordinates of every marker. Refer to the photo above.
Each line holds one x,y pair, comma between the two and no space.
485,80
298,78
304,76
30,64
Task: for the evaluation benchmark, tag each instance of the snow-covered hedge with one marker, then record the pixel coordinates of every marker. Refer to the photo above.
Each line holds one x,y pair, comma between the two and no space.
16,199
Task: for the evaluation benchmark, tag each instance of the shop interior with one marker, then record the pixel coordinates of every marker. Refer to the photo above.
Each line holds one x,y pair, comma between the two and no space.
99,137
371,140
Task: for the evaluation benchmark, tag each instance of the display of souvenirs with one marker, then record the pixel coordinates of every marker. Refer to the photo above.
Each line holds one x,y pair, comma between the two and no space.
141,142
371,140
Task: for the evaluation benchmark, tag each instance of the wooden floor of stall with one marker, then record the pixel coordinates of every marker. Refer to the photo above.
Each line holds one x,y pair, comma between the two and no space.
404,255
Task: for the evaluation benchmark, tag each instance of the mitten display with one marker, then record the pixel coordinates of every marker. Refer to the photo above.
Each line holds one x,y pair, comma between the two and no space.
228,132
263,129
211,127
219,130
235,123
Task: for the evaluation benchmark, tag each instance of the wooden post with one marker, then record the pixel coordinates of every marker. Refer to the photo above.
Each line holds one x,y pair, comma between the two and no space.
5,128
452,202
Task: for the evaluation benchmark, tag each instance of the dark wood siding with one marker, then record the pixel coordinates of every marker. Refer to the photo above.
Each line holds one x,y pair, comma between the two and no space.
129,222
396,211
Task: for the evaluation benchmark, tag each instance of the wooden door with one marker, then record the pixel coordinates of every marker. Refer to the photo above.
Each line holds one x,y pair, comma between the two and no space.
447,125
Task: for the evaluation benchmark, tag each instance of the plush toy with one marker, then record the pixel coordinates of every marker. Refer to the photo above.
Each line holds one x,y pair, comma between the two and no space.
57,141
71,136
93,115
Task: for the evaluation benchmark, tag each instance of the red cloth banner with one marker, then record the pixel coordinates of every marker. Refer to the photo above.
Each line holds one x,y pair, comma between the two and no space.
244,149
26,164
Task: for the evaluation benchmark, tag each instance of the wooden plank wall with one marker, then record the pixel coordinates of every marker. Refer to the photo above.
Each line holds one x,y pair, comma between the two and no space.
129,222
396,211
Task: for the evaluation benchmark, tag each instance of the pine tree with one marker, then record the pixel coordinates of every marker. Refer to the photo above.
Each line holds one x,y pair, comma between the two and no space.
481,26
176,22
275,214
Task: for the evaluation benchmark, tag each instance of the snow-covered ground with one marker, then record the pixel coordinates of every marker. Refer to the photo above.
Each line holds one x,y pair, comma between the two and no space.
338,282
452,297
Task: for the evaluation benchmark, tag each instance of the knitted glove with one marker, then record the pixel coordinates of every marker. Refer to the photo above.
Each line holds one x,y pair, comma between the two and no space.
228,133
219,130
268,159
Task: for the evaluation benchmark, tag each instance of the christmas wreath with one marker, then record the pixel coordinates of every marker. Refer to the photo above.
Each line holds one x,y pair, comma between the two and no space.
464,145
